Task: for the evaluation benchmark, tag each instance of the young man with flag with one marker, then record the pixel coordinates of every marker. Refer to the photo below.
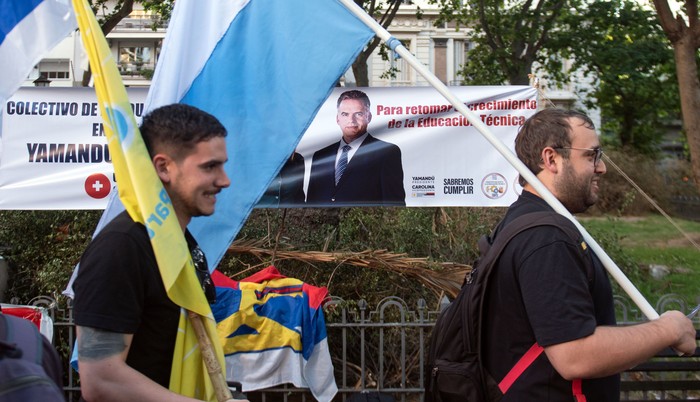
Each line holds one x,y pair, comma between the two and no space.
126,323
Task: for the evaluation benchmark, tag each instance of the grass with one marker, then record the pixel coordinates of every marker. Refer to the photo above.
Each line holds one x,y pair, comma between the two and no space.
637,243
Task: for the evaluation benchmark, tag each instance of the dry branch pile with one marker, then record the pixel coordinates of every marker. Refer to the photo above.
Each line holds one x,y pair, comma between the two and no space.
439,277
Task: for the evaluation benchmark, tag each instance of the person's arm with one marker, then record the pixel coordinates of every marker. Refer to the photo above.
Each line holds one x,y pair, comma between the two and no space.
104,374
611,350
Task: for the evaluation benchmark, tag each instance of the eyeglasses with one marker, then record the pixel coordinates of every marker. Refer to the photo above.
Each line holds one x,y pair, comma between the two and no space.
597,151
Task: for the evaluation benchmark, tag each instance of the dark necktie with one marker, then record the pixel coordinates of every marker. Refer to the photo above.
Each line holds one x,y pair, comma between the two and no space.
342,163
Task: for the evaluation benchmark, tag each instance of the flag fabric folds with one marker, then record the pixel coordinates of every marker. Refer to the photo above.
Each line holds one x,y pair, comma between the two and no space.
273,332
147,202
29,29
264,68
37,315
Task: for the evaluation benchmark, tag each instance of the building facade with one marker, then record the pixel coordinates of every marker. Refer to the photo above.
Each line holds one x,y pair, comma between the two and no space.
136,42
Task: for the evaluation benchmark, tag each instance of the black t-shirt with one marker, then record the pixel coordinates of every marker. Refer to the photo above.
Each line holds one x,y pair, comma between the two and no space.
540,292
119,289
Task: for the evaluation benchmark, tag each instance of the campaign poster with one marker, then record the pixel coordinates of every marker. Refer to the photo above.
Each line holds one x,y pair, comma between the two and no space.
53,151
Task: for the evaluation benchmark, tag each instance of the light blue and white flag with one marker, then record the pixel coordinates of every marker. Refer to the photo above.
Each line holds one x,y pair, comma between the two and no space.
28,30
264,68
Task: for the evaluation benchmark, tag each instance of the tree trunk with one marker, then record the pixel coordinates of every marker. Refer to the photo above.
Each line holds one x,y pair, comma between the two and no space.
687,72
520,76
107,26
685,39
361,72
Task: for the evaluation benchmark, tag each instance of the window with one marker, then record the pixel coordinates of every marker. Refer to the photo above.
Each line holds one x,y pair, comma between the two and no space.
55,69
403,76
137,55
400,68
57,75
138,58
461,49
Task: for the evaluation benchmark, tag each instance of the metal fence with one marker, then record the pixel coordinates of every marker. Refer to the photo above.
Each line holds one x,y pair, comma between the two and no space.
380,349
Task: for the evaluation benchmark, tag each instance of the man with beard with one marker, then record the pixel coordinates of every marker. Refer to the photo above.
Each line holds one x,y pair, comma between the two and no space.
542,294
126,324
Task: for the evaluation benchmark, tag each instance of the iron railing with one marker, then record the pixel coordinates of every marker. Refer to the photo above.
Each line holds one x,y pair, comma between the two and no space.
381,349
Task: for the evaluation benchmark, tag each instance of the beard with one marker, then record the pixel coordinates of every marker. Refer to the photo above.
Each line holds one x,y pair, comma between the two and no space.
575,191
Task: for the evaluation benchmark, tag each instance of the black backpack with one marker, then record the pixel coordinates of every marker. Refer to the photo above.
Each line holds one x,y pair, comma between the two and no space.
454,369
22,376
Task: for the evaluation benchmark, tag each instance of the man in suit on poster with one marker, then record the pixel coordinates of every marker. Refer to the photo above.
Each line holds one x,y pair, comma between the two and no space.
359,169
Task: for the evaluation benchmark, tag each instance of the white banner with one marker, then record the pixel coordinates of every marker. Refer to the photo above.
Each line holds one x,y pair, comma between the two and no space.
54,155
446,162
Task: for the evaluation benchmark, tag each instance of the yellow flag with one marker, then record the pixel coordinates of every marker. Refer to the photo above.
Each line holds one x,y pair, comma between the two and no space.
147,202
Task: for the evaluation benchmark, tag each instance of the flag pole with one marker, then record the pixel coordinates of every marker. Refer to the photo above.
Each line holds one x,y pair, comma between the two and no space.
609,264
143,192
218,381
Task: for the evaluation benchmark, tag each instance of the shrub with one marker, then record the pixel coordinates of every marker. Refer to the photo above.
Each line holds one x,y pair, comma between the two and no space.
619,197
42,248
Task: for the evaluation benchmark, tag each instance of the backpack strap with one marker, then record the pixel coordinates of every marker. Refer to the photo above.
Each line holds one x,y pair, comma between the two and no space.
528,358
577,390
530,220
495,248
23,336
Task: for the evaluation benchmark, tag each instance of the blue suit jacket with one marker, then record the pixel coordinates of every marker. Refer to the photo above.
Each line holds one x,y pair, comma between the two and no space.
374,176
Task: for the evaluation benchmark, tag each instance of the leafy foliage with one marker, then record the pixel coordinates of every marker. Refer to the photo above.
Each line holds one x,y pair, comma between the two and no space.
509,36
619,47
613,51
681,29
42,248
618,196
383,11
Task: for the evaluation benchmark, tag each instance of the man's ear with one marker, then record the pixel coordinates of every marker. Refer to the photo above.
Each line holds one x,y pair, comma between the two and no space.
549,160
162,164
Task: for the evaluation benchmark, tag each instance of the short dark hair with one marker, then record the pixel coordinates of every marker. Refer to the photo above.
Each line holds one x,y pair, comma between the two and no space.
177,128
546,128
354,94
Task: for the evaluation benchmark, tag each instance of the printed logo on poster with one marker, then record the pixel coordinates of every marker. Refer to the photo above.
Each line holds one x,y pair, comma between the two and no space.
422,186
122,125
494,185
458,185
97,186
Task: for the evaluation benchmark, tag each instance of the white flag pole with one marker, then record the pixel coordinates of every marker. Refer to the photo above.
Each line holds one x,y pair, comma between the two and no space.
609,264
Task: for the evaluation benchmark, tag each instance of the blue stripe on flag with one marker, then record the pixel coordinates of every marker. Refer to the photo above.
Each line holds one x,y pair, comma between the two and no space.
28,30
266,80
12,12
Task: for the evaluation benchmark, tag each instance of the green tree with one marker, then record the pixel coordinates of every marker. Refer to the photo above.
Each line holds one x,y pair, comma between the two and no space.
682,29
509,36
383,11
111,12
619,47
615,45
